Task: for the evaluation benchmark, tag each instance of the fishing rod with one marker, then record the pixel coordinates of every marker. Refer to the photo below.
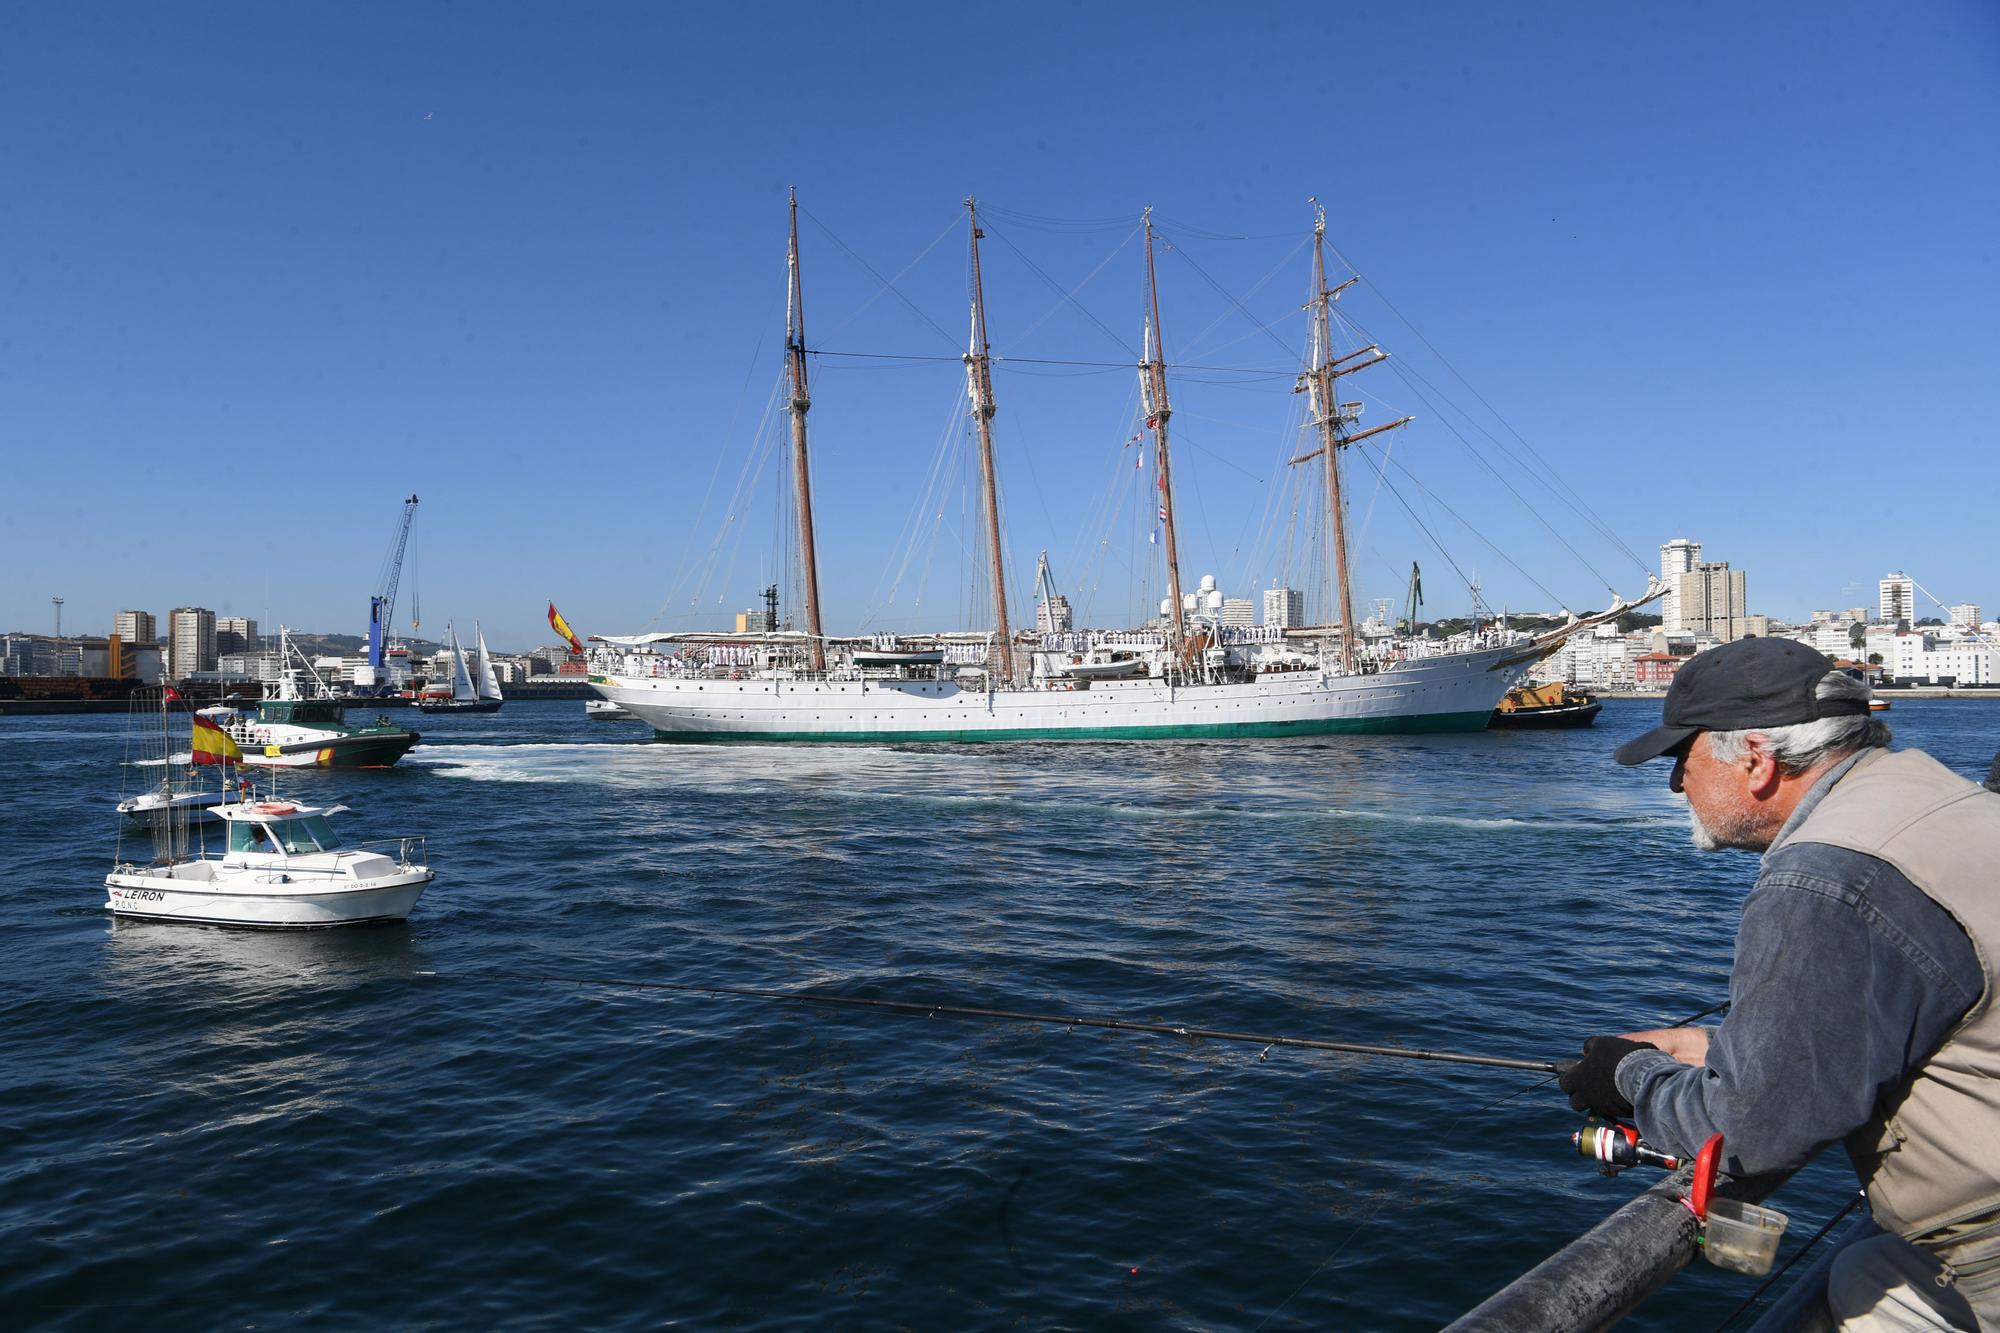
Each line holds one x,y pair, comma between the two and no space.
932,1010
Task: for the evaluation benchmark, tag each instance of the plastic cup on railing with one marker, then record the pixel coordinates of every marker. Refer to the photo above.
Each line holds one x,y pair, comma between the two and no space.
1742,1237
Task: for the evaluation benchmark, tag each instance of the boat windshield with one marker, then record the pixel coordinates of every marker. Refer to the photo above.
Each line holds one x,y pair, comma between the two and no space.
309,833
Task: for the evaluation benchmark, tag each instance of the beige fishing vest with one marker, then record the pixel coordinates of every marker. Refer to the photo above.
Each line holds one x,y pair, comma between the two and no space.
1931,1156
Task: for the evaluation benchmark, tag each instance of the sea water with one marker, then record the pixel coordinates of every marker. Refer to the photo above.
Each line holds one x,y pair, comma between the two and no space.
409,1126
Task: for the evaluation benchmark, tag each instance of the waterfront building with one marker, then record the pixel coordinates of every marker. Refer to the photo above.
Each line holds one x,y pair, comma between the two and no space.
1053,615
1677,557
1932,661
1966,615
39,655
191,631
1898,599
1284,608
235,634
1710,600
1239,611
136,627
1655,671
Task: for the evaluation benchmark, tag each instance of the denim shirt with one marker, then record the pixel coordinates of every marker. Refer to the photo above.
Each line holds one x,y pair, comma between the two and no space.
1847,977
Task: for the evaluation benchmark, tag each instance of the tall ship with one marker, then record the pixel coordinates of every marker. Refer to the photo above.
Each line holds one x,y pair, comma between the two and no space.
1192,676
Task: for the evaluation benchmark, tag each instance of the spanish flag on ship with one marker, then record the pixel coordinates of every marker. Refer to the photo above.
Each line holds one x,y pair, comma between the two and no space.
561,626
212,745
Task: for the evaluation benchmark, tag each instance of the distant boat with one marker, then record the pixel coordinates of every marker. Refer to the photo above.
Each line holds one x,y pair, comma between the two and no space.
467,697
603,710
306,726
1546,706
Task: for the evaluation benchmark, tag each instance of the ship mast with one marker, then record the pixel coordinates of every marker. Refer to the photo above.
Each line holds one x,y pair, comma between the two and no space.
1333,418
979,385
795,360
1153,394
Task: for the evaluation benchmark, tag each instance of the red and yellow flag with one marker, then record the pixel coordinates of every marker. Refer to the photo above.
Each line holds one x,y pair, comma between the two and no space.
212,745
561,626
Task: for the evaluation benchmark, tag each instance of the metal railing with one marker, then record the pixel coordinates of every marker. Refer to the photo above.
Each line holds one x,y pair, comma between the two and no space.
1602,1276
411,852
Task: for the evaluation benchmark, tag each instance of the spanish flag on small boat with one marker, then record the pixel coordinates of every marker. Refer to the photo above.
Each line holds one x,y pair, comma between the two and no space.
561,626
212,745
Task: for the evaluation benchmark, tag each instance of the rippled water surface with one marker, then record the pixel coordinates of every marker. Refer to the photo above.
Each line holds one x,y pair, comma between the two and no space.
402,1126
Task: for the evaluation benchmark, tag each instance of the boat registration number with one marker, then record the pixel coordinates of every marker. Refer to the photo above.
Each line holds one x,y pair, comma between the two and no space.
143,895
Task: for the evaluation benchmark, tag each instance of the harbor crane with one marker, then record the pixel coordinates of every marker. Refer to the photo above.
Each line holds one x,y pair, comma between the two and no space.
382,605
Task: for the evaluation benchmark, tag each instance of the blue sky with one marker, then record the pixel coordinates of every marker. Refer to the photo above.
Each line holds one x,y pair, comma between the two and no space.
264,270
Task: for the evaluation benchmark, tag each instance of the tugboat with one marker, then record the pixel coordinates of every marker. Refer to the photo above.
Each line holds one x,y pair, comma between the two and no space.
1551,705
307,728
281,868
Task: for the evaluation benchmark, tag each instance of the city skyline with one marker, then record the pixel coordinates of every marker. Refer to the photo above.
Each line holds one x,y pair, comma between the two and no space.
258,298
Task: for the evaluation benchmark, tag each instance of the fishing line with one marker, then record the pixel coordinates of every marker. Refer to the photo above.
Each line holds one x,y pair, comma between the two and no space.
1443,1139
931,1009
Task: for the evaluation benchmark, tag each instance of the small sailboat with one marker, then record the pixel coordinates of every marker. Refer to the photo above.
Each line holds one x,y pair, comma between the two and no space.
175,796
467,697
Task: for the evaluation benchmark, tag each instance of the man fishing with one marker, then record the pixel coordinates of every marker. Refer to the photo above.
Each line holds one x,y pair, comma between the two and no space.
1867,962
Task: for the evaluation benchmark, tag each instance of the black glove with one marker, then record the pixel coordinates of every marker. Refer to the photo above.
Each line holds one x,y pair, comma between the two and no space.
1589,1081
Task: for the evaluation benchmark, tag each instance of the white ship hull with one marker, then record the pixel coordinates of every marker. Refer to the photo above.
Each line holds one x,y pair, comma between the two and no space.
211,893
1455,692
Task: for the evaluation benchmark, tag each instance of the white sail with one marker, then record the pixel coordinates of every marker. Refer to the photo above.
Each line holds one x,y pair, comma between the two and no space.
461,675
489,684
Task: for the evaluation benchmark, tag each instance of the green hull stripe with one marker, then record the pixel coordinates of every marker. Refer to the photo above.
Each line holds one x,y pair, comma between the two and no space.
1430,722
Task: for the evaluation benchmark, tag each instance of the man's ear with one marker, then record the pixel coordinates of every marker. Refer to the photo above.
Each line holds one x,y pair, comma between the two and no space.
1762,771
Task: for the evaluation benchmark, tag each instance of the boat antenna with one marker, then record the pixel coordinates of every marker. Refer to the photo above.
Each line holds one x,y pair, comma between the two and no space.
1153,394
801,403
979,385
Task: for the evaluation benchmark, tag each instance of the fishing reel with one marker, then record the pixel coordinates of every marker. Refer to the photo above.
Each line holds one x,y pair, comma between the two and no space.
1617,1145
1741,1237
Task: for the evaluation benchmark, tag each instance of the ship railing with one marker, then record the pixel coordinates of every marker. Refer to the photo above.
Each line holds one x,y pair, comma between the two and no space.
412,851
1604,1274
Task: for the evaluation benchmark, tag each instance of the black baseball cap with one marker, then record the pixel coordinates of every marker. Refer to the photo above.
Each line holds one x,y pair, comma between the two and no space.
1742,685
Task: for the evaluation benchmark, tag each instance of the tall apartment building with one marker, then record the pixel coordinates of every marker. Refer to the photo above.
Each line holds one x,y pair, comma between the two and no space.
235,634
1677,557
1284,608
136,627
191,630
1239,611
1899,599
1966,615
1710,600
1053,616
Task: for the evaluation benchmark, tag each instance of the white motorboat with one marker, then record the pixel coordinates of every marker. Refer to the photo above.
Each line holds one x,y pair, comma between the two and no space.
281,867
603,710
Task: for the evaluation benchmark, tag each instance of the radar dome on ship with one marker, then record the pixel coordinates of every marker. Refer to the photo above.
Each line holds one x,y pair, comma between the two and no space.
1214,598
1208,583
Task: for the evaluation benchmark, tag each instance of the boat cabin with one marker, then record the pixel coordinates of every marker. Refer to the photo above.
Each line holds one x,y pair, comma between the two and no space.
278,828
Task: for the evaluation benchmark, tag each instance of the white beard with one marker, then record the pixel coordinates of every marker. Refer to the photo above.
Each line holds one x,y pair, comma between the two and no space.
1699,835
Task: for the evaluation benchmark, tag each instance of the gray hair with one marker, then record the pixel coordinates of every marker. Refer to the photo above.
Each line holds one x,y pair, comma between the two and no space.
1805,745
